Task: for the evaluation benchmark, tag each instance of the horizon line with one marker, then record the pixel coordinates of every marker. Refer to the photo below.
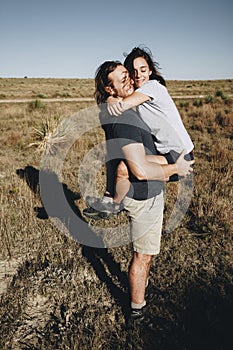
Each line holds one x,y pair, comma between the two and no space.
76,78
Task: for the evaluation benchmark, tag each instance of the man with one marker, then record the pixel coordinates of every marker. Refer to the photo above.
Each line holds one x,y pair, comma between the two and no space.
133,144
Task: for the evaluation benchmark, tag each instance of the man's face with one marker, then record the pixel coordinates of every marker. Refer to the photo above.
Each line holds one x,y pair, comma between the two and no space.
123,84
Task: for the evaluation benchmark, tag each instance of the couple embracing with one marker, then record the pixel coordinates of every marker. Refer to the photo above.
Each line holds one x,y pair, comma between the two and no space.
150,147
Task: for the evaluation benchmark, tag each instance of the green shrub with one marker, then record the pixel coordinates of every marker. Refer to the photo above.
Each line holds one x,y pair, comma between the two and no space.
219,93
41,96
208,99
197,103
36,104
184,104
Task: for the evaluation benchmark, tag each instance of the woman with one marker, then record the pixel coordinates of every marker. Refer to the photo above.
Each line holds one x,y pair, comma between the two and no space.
159,112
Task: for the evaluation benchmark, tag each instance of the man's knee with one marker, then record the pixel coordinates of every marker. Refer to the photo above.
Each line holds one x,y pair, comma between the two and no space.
144,259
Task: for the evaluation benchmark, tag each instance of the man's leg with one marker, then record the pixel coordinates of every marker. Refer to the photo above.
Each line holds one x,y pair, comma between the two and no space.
138,275
146,226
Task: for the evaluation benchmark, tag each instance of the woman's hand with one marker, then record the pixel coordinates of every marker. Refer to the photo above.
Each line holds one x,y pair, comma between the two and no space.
114,106
184,167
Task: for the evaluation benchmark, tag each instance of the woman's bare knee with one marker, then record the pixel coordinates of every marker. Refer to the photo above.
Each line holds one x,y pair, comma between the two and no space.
122,171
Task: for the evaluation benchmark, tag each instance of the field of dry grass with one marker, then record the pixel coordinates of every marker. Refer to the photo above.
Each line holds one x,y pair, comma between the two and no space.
14,88
37,88
59,294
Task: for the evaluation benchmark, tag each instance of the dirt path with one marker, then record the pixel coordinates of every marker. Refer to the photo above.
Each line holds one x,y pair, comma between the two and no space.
26,100
86,99
8,268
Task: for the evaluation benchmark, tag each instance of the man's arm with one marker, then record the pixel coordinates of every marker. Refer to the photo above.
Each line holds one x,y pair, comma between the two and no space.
156,159
145,170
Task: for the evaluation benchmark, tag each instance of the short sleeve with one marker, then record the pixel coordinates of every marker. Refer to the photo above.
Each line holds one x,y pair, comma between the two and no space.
152,89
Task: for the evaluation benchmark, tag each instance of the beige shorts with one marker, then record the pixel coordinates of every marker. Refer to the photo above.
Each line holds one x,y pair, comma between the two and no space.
146,223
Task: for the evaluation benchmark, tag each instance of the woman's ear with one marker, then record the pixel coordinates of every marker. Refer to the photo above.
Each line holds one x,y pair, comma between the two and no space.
150,72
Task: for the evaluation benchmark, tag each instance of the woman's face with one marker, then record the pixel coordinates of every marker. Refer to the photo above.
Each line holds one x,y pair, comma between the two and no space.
142,71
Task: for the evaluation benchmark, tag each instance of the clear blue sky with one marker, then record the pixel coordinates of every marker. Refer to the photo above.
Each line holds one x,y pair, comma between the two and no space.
71,38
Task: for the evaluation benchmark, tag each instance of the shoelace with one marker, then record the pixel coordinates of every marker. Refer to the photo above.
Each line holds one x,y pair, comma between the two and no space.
136,312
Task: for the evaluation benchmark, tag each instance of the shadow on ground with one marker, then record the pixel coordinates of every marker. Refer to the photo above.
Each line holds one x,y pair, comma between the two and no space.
199,317
71,217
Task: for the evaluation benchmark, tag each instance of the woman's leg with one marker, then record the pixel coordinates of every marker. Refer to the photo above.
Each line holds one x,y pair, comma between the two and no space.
122,177
111,170
122,183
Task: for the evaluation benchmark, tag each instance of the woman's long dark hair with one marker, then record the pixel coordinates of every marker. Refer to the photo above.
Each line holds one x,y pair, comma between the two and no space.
147,55
102,80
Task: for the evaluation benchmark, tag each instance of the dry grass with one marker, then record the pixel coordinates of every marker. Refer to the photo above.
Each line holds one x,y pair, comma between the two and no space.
15,88
200,87
38,88
58,294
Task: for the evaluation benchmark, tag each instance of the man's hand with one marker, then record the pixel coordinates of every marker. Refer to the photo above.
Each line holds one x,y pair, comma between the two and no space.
184,167
114,106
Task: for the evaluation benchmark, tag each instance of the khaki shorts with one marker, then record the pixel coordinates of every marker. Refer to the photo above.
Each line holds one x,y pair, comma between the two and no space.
146,223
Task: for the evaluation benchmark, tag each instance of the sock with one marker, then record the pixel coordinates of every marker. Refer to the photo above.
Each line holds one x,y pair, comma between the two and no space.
117,205
107,199
138,306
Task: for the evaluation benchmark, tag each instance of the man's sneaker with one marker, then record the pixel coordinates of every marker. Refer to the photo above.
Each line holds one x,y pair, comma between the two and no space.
139,317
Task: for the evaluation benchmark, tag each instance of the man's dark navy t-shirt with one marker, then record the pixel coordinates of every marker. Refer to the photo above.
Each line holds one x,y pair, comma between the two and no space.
121,131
